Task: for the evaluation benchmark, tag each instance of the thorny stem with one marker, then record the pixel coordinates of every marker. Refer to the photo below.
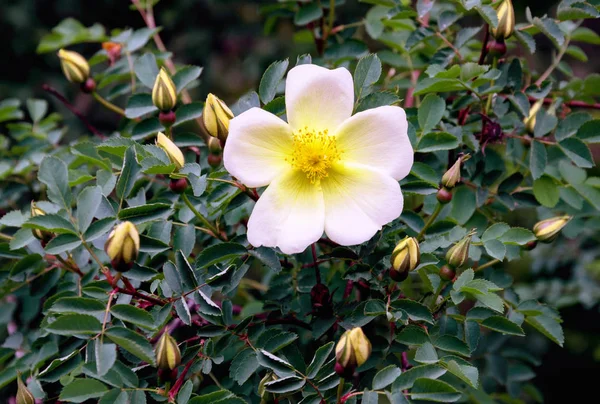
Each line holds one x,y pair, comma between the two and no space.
449,44
70,107
201,217
107,104
430,221
108,304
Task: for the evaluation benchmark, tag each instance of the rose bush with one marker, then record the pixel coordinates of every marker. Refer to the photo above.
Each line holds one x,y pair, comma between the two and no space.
359,229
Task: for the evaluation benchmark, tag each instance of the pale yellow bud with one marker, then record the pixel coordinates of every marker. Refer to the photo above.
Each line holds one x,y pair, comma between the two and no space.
216,117
352,350
453,175
506,21
123,246
405,258
24,396
547,230
168,355
458,254
41,235
531,120
164,92
174,153
74,66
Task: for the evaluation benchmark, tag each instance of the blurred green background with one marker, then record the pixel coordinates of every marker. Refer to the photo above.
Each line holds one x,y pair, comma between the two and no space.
235,42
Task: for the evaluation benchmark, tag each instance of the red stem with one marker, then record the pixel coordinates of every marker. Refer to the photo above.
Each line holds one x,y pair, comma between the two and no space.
175,389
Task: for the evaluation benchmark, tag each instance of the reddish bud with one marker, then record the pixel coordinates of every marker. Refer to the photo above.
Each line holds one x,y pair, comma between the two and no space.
444,195
530,245
178,185
214,160
397,275
496,48
88,86
167,118
446,273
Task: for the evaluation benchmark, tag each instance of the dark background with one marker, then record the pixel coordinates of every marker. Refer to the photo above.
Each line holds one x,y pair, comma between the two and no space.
227,38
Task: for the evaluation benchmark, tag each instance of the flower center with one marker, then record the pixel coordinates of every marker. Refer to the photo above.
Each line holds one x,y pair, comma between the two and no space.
314,153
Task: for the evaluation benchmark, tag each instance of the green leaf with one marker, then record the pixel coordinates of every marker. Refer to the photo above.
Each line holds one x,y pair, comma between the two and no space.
285,385
412,335
132,314
243,366
99,228
434,390
139,105
438,85
408,378
54,174
80,390
207,306
106,355
435,141
517,236
548,326
268,257
308,13
53,223
464,204
546,191
188,112
133,343
368,71
551,29
426,354
578,152
218,253
128,175
385,377
431,112
585,35
146,213
62,243
115,396
415,310
147,127
275,363
575,10
503,325
87,204
217,397
538,159
146,69
452,344
271,79
70,32
495,231
319,360
378,99
467,373
185,76
79,324
78,305
469,71
37,109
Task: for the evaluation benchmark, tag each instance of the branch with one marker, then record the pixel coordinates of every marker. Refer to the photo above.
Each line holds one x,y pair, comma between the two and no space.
66,103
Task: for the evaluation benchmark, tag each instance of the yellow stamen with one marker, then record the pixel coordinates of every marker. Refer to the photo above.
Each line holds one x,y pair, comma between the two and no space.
314,153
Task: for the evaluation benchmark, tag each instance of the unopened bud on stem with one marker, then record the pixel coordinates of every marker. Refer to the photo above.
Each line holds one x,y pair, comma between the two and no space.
548,230
405,258
531,120
174,152
164,92
352,350
74,66
24,396
42,235
123,246
168,355
458,254
506,20
453,175
216,117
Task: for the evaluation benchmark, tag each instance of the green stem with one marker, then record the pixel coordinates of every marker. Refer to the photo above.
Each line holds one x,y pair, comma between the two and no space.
340,390
107,104
430,221
487,265
200,217
331,15
488,106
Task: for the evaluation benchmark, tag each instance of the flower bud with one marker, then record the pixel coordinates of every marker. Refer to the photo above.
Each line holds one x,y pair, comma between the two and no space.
164,92
447,273
506,20
74,66
42,235
444,195
167,119
547,230
265,396
352,350
174,152
123,246
405,258
452,176
24,396
168,356
178,185
531,119
216,117
496,48
458,254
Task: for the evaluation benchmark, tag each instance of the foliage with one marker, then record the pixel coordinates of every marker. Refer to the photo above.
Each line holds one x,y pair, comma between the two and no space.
81,331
